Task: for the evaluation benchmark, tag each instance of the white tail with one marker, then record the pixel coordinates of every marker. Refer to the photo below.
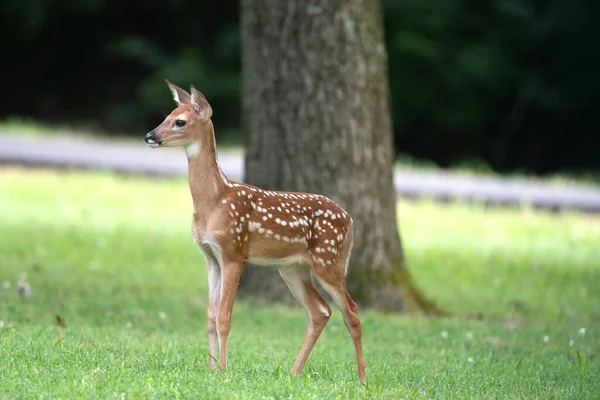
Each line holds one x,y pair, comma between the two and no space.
304,235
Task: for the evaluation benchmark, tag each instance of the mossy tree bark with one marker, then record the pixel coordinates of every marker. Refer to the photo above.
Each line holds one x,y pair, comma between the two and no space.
316,119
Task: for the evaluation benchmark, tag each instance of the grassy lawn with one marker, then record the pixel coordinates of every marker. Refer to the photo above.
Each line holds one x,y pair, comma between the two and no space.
114,258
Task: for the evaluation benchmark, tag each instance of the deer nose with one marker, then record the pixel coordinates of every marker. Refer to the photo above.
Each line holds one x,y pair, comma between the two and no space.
150,137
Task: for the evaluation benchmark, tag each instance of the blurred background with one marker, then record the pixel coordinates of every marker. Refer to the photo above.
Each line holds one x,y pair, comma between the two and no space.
502,85
103,292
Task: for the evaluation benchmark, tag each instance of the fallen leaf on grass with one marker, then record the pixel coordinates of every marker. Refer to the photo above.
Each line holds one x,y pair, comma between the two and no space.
60,321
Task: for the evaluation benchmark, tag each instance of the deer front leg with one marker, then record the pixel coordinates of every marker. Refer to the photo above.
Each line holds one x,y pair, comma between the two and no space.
214,298
230,277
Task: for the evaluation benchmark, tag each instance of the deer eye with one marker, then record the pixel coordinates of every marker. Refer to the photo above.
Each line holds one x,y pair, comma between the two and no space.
179,122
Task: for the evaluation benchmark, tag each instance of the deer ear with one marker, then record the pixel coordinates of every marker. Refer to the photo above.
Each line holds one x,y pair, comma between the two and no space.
179,95
200,103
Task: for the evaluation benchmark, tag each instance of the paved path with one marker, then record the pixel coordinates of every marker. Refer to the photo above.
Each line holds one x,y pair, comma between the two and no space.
133,157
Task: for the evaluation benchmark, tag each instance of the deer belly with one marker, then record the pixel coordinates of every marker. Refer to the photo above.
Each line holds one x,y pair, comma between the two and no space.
262,251
277,262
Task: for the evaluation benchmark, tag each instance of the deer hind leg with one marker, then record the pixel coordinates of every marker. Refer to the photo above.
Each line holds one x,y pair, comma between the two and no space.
333,281
299,280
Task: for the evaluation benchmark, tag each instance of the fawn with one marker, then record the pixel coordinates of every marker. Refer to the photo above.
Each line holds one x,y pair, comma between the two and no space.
304,235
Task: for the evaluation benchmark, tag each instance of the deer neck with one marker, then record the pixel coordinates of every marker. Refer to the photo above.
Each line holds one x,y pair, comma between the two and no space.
207,182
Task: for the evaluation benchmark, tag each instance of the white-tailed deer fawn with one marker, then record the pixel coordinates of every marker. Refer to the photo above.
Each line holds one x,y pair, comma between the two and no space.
304,235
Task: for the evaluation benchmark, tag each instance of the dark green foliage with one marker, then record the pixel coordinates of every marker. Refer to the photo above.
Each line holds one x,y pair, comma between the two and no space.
511,82
104,62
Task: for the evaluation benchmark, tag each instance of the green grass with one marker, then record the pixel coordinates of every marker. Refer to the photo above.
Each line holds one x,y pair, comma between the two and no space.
479,168
24,127
113,256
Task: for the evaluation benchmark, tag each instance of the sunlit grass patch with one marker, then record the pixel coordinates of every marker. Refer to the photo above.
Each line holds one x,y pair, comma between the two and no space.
113,258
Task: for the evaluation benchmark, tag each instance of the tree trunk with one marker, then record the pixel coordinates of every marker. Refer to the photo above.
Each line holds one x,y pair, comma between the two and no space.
316,119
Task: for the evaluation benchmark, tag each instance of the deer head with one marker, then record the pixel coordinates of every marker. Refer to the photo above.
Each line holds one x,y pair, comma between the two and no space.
188,124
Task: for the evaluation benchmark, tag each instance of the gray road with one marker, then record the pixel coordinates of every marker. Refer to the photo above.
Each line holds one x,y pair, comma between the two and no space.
133,157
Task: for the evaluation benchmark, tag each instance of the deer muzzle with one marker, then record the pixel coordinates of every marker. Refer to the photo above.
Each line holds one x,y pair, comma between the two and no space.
152,139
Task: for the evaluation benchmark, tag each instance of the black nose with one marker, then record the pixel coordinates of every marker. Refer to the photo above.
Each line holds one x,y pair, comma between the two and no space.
150,137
